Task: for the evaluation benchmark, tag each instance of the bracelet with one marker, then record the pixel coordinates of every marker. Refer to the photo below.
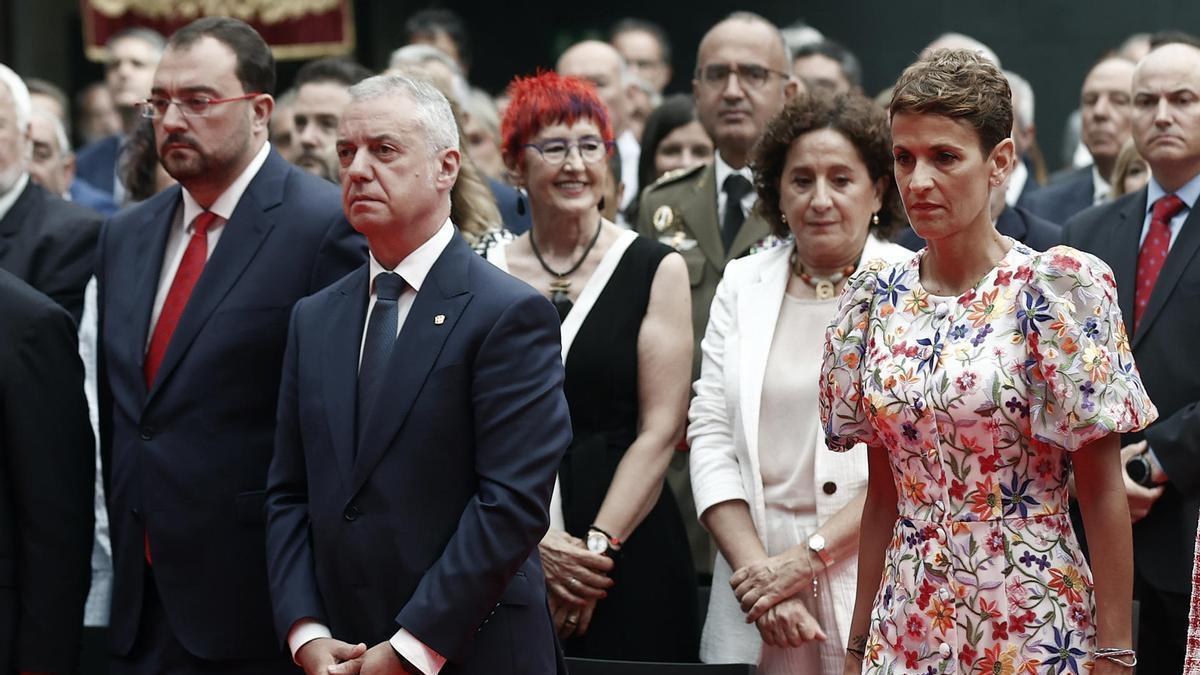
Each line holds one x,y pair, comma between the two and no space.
1116,654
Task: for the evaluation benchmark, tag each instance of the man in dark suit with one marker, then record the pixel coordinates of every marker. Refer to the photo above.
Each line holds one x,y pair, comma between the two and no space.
47,242
196,285
1105,108
47,467
1151,239
421,424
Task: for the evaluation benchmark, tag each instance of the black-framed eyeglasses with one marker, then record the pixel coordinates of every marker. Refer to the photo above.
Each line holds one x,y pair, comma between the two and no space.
592,149
749,75
190,106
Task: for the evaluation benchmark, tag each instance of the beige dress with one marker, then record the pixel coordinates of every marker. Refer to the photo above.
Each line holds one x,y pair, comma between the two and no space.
787,454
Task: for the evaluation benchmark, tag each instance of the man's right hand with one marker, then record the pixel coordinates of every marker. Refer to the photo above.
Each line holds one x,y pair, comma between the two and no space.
1141,498
316,656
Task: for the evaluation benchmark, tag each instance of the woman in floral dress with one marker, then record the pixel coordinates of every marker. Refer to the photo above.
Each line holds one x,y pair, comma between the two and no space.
979,374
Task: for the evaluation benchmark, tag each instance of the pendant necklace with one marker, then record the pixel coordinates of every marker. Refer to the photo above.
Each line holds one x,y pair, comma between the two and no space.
561,285
824,287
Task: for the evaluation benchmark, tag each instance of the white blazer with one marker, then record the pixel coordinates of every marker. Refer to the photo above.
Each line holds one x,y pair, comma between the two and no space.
723,434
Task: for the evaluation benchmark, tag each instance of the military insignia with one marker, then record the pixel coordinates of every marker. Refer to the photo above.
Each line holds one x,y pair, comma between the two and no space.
678,241
439,319
663,218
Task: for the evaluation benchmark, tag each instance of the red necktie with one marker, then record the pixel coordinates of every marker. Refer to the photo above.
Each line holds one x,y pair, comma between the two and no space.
1154,252
190,267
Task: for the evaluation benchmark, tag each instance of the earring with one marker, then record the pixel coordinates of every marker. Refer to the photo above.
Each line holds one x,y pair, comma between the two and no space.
875,218
520,202
601,204
783,218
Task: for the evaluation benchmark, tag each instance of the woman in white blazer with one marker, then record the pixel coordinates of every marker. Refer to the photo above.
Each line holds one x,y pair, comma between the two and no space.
784,515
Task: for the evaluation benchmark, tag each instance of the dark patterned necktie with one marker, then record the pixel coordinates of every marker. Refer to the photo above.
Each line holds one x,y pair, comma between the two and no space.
1154,252
377,346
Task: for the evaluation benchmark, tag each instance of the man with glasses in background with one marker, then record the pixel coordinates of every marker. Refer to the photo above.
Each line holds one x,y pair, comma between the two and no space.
196,285
743,78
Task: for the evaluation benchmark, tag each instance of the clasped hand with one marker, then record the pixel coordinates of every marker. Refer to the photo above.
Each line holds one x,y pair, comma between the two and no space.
576,578
330,656
768,591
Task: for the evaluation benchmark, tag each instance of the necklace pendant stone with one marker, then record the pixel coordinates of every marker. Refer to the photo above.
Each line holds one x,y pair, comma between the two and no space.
824,289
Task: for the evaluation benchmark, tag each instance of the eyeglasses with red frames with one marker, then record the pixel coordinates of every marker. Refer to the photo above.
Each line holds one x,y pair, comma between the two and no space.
190,106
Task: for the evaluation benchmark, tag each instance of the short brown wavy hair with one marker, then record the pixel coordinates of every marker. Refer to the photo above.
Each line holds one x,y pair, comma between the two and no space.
859,119
959,84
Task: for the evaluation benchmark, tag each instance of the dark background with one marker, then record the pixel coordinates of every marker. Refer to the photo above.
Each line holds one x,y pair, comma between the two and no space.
1051,43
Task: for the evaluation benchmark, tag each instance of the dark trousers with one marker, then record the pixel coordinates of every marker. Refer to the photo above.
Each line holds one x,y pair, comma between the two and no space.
157,651
1162,628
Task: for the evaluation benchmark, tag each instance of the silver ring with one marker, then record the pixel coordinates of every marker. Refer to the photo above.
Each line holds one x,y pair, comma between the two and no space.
572,621
572,582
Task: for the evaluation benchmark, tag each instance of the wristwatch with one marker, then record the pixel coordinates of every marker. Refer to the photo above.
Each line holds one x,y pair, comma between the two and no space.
1140,470
816,544
601,542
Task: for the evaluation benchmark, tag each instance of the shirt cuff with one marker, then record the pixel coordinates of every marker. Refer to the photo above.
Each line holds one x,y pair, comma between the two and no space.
305,631
415,652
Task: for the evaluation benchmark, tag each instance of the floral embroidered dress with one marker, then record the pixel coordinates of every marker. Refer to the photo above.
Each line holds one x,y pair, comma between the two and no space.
979,400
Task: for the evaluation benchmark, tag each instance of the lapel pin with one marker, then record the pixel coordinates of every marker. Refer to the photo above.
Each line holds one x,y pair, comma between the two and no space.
439,319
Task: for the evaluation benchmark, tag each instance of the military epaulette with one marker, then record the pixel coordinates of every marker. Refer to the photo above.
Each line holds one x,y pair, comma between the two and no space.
675,175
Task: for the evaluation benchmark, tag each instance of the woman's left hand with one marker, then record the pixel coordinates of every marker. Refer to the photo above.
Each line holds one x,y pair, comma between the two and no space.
761,585
1106,667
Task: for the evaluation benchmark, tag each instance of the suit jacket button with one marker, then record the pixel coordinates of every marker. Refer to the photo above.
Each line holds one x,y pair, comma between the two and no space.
147,433
137,513
829,487
351,513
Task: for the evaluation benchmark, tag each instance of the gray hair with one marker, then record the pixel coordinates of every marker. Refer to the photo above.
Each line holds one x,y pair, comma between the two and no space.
420,54
60,131
430,107
1024,95
20,96
480,106
148,35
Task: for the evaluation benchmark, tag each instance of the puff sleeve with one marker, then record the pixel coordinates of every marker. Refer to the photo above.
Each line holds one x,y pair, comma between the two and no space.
847,342
1083,382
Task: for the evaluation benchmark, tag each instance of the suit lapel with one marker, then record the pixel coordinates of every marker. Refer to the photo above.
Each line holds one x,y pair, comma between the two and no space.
700,214
17,215
1123,242
754,229
341,347
1178,258
758,313
445,293
240,241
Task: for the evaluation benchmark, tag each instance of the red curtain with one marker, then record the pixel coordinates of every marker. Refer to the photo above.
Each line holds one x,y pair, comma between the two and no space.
295,29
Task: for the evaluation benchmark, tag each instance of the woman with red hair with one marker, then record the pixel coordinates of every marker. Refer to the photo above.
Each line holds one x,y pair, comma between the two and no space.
618,568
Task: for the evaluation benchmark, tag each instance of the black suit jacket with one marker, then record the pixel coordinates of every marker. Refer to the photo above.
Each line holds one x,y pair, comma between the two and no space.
1027,228
431,520
47,474
188,457
1060,200
96,162
1166,356
50,243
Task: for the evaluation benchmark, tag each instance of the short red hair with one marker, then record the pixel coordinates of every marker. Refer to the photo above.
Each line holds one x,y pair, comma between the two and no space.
543,100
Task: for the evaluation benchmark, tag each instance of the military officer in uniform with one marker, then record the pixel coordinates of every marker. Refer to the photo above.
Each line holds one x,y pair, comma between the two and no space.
743,77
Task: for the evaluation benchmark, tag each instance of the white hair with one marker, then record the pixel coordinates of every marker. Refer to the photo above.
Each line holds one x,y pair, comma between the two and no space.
420,54
430,107
60,131
960,41
1024,95
20,96
480,106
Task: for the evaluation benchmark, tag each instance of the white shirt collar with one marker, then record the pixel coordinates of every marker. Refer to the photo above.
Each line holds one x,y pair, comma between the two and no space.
9,198
1016,183
1101,190
416,265
228,200
724,170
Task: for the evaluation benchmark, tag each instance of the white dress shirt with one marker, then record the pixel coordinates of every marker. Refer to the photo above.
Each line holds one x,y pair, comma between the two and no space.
413,269
1101,190
9,198
181,230
723,171
631,153
1016,183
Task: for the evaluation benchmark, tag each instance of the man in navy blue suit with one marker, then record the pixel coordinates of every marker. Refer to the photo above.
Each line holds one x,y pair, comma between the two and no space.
195,288
421,425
